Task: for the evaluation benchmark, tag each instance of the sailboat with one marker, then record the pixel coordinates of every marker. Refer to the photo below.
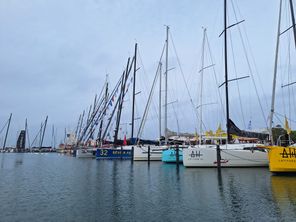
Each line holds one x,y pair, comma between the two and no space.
282,159
230,155
152,150
6,134
120,150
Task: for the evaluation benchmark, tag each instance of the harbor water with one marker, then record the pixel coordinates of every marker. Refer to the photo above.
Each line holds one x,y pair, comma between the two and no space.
54,187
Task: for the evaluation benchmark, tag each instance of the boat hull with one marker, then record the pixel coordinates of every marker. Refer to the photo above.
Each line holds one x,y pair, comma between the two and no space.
206,156
85,153
282,159
169,156
141,153
114,153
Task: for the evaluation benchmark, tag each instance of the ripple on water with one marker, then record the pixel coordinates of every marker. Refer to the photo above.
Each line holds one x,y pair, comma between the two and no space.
62,188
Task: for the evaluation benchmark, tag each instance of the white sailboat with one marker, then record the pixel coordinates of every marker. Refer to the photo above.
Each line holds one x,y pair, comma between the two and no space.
86,152
141,151
232,155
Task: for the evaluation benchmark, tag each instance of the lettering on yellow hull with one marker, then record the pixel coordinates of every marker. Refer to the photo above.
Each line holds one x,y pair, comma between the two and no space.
282,159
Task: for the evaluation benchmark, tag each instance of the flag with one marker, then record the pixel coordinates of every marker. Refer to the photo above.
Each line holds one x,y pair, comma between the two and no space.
124,141
287,128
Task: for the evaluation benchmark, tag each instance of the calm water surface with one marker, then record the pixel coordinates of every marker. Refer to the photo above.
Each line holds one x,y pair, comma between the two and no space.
53,187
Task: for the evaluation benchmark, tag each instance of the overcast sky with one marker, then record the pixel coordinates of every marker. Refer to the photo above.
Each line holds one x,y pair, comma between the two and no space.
54,55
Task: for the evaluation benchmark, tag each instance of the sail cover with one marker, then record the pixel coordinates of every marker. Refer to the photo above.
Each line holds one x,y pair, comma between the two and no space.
233,129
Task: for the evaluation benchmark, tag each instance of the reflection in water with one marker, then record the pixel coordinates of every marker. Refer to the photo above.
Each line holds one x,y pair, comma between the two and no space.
115,194
284,193
70,189
2,161
236,200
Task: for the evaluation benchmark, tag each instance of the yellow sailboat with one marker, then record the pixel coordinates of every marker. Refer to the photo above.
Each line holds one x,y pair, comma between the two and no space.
282,159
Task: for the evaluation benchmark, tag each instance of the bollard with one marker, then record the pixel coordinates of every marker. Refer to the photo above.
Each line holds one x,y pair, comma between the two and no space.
177,154
218,156
148,154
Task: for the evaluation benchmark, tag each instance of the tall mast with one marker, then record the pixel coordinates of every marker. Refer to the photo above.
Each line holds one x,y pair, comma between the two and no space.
65,138
121,98
27,133
293,20
52,137
201,84
104,113
166,87
26,128
274,74
6,134
160,77
40,135
134,90
77,128
79,137
43,132
226,70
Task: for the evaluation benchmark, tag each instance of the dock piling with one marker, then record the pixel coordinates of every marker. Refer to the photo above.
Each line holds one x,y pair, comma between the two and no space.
177,155
132,159
218,156
148,154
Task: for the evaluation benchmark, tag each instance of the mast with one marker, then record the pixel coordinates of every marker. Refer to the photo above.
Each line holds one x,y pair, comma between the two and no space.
27,134
121,98
274,74
104,113
65,140
293,20
160,76
201,84
26,127
166,87
43,132
79,137
134,90
40,135
6,134
76,131
52,137
226,70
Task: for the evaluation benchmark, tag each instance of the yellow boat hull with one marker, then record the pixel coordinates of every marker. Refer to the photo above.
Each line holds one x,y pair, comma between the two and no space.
282,159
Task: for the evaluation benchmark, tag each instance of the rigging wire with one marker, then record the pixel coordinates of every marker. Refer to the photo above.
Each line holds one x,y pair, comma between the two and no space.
155,109
238,89
215,75
282,115
144,117
249,64
186,85
4,126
